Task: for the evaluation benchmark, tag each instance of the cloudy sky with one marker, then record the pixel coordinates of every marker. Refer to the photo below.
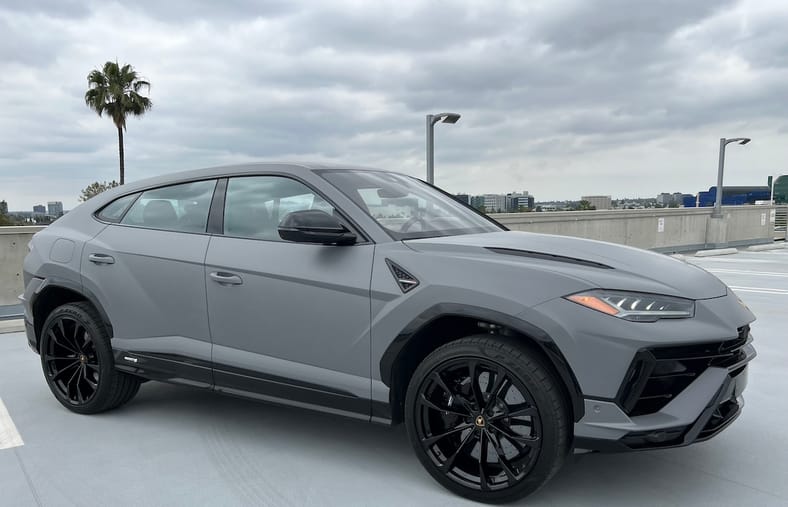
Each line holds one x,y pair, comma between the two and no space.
558,97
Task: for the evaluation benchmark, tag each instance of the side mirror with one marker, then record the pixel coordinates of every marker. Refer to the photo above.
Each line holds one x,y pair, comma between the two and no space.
315,226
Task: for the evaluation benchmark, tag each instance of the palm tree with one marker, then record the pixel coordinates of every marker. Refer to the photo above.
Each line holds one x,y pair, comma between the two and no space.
115,90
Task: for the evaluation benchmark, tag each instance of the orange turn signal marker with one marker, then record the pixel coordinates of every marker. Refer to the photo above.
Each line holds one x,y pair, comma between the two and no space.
594,303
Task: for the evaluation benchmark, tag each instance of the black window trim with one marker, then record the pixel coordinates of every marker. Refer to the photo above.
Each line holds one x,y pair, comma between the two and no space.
216,211
364,238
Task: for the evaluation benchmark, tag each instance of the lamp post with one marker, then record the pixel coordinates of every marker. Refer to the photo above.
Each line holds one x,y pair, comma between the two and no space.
432,119
771,196
717,212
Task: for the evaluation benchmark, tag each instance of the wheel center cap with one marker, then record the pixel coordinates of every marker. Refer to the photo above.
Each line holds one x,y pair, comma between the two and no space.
83,358
480,421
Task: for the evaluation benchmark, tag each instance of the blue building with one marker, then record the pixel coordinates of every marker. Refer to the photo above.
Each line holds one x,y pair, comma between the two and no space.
731,196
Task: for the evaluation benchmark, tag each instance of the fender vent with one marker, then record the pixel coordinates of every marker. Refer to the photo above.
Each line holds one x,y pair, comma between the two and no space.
405,280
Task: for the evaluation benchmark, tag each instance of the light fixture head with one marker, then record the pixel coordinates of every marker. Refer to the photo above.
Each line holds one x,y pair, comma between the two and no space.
445,117
739,140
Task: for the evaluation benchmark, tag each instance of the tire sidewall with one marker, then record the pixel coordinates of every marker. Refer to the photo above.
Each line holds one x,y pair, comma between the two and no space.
552,415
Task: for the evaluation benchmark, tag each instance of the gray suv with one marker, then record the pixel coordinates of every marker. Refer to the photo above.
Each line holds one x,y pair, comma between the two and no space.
376,296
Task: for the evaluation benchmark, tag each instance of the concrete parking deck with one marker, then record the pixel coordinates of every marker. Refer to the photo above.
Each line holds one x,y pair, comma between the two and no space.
178,446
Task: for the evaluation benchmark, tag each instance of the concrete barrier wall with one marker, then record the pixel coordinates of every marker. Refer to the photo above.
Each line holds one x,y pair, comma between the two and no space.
663,230
682,229
13,248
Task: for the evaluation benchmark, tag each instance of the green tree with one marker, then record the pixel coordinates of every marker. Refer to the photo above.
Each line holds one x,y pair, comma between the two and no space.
96,188
5,218
115,91
585,205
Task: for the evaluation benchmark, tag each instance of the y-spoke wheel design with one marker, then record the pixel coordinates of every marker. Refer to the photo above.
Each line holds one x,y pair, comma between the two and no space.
478,424
78,363
71,361
487,419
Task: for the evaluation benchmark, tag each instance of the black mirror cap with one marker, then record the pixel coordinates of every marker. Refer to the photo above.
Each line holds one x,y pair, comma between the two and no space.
314,226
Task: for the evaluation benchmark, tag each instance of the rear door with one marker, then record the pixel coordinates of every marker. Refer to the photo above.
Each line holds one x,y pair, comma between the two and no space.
289,321
146,269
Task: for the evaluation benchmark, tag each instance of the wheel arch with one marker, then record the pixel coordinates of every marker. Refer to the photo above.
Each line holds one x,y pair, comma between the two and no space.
443,323
56,293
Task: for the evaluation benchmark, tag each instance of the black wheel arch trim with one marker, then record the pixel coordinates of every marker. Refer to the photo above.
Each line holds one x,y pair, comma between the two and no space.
540,337
51,283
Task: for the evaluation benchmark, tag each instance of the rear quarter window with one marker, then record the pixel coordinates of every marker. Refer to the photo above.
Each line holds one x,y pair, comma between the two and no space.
113,211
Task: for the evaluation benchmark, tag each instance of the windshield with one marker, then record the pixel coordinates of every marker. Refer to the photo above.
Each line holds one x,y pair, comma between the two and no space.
406,207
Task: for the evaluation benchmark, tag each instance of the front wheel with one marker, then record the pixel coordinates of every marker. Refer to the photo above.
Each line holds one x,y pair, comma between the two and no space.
487,419
77,361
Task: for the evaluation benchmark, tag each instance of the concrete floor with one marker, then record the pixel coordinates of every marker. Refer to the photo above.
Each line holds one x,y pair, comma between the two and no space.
177,446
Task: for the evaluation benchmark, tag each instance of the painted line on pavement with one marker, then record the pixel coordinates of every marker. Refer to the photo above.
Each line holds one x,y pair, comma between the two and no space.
9,436
760,290
744,272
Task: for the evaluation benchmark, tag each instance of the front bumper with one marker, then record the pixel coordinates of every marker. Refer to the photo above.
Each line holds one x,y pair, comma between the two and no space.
702,410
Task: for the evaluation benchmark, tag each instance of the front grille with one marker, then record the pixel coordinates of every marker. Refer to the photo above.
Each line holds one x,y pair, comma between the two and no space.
659,374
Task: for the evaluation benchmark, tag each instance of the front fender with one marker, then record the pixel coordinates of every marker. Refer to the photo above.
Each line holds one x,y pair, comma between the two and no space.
536,335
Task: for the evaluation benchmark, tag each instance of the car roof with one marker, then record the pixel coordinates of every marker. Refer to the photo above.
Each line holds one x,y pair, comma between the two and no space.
294,168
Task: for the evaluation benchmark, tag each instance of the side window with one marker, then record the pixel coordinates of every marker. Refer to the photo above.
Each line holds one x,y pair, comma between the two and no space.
255,205
182,208
114,210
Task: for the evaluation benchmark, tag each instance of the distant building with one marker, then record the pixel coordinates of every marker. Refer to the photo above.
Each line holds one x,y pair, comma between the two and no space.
666,199
781,190
598,201
39,209
517,201
55,208
495,203
477,201
731,196
3,208
463,198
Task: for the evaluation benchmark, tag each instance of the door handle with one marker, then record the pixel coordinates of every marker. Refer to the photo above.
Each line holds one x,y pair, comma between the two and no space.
101,258
223,278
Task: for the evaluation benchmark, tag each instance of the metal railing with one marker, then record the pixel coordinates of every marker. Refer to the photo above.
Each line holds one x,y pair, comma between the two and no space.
780,219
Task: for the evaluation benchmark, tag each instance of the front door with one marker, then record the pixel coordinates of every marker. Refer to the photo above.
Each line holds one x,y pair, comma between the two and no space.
289,321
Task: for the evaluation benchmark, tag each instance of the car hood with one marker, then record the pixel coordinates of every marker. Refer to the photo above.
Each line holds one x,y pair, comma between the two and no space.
604,265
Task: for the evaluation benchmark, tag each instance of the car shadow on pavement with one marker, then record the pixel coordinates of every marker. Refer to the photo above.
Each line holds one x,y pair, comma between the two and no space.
245,438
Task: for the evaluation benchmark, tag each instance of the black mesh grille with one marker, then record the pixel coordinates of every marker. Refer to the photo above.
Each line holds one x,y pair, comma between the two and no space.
405,280
659,374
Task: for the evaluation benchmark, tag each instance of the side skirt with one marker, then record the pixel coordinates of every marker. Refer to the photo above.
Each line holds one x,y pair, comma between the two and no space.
246,384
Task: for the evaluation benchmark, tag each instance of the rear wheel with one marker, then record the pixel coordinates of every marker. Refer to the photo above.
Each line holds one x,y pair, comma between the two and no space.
77,361
487,419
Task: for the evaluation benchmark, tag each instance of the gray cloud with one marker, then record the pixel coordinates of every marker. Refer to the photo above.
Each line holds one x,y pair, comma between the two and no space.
558,97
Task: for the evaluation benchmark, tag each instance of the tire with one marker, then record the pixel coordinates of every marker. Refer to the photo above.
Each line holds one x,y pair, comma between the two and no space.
78,364
523,430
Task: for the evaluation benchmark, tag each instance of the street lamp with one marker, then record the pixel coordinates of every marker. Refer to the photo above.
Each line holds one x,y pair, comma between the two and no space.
717,213
432,119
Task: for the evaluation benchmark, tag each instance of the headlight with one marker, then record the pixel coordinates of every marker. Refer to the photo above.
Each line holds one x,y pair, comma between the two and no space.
635,306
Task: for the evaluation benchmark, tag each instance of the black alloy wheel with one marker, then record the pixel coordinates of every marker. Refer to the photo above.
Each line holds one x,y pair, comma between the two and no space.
71,361
477,425
486,419
78,363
